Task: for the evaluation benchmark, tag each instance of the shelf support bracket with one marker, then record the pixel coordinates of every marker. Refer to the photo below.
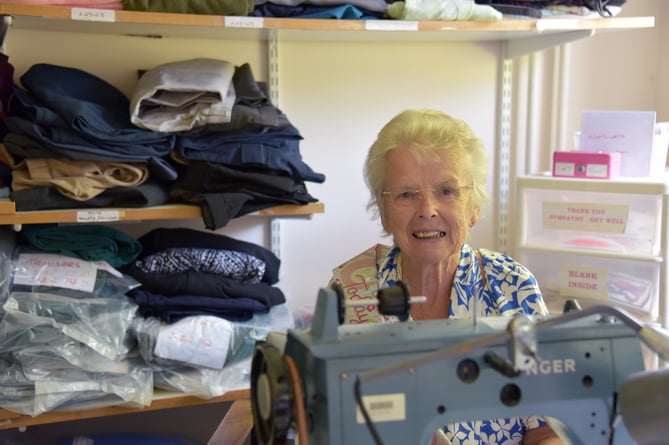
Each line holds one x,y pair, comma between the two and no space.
273,87
504,153
523,47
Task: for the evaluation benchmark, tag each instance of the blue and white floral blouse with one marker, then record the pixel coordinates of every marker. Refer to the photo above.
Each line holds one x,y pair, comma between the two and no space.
509,288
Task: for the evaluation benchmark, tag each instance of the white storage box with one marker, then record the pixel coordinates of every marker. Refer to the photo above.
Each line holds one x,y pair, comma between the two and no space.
574,214
593,280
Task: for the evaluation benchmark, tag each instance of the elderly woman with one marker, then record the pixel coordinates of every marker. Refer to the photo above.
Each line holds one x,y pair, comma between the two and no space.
427,173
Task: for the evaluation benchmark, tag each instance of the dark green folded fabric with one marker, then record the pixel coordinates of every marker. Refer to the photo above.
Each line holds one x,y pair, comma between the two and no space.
209,7
88,242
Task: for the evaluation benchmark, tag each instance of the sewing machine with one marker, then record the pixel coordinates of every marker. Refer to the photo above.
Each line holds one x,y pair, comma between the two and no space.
397,383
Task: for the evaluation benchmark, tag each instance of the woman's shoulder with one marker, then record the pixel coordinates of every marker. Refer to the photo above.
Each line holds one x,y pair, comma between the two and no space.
365,256
361,266
494,261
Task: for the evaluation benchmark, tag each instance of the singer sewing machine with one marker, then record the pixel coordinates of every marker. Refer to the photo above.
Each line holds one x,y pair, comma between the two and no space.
397,383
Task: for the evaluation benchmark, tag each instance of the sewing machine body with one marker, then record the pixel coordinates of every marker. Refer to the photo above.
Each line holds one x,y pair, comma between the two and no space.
581,367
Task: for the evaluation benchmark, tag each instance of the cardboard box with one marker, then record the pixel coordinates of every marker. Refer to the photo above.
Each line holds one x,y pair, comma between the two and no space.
586,165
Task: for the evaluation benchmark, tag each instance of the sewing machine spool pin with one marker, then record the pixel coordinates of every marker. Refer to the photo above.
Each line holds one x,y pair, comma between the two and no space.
391,301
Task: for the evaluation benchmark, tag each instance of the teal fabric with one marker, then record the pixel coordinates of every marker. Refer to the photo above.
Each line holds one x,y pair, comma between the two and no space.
209,7
87,242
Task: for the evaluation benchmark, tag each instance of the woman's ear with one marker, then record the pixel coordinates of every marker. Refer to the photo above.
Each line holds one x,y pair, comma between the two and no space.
384,221
475,217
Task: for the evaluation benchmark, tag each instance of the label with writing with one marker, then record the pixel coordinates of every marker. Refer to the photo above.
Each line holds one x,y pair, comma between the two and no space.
585,216
391,25
93,15
88,216
586,282
199,340
383,408
243,22
40,269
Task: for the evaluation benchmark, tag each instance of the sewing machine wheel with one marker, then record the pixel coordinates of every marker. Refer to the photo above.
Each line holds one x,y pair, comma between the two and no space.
271,395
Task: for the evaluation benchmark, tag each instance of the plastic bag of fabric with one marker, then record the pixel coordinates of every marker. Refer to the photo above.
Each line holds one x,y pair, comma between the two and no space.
34,271
203,340
50,383
103,324
539,8
205,358
446,10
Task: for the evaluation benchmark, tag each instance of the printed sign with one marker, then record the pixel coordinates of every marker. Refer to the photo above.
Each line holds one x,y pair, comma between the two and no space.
585,216
628,132
585,282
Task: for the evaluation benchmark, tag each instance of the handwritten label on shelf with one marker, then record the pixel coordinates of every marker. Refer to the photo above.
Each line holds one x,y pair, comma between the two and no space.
585,216
243,22
93,15
89,216
40,269
391,25
557,24
585,282
199,340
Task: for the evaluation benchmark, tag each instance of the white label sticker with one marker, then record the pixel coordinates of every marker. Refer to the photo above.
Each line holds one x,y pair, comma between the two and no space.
97,216
200,340
565,168
384,408
243,22
585,282
40,269
391,25
597,171
93,15
587,216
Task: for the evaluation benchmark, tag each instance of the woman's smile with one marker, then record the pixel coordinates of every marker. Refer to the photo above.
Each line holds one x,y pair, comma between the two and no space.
429,235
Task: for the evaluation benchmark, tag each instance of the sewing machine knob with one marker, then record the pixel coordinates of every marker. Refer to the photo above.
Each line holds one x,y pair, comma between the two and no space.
468,370
395,300
271,395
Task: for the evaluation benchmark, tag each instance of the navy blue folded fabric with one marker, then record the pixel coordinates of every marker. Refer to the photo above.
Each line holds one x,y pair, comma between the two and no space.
205,284
174,308
161,239
88,104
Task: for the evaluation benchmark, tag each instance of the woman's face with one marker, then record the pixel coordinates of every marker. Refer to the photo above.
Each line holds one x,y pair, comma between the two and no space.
425,204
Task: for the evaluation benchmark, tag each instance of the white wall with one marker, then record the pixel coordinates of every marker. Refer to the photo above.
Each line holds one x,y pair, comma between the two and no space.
338,95
622,69
340,98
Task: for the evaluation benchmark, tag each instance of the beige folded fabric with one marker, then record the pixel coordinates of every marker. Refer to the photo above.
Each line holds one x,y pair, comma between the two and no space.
79,180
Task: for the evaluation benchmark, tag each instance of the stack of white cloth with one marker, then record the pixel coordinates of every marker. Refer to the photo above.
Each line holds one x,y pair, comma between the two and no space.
180,96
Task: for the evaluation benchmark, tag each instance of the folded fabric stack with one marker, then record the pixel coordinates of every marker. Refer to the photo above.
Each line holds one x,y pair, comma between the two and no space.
71,144
77,332
189,272
199,131
239,152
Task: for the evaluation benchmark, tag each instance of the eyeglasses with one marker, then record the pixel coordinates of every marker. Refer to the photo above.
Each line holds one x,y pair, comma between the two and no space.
411,198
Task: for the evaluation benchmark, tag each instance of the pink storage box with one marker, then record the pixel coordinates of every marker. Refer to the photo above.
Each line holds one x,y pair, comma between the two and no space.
586,165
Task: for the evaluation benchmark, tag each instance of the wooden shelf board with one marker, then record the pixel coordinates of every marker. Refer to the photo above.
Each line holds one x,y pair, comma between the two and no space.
10,419
158,25
8,215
